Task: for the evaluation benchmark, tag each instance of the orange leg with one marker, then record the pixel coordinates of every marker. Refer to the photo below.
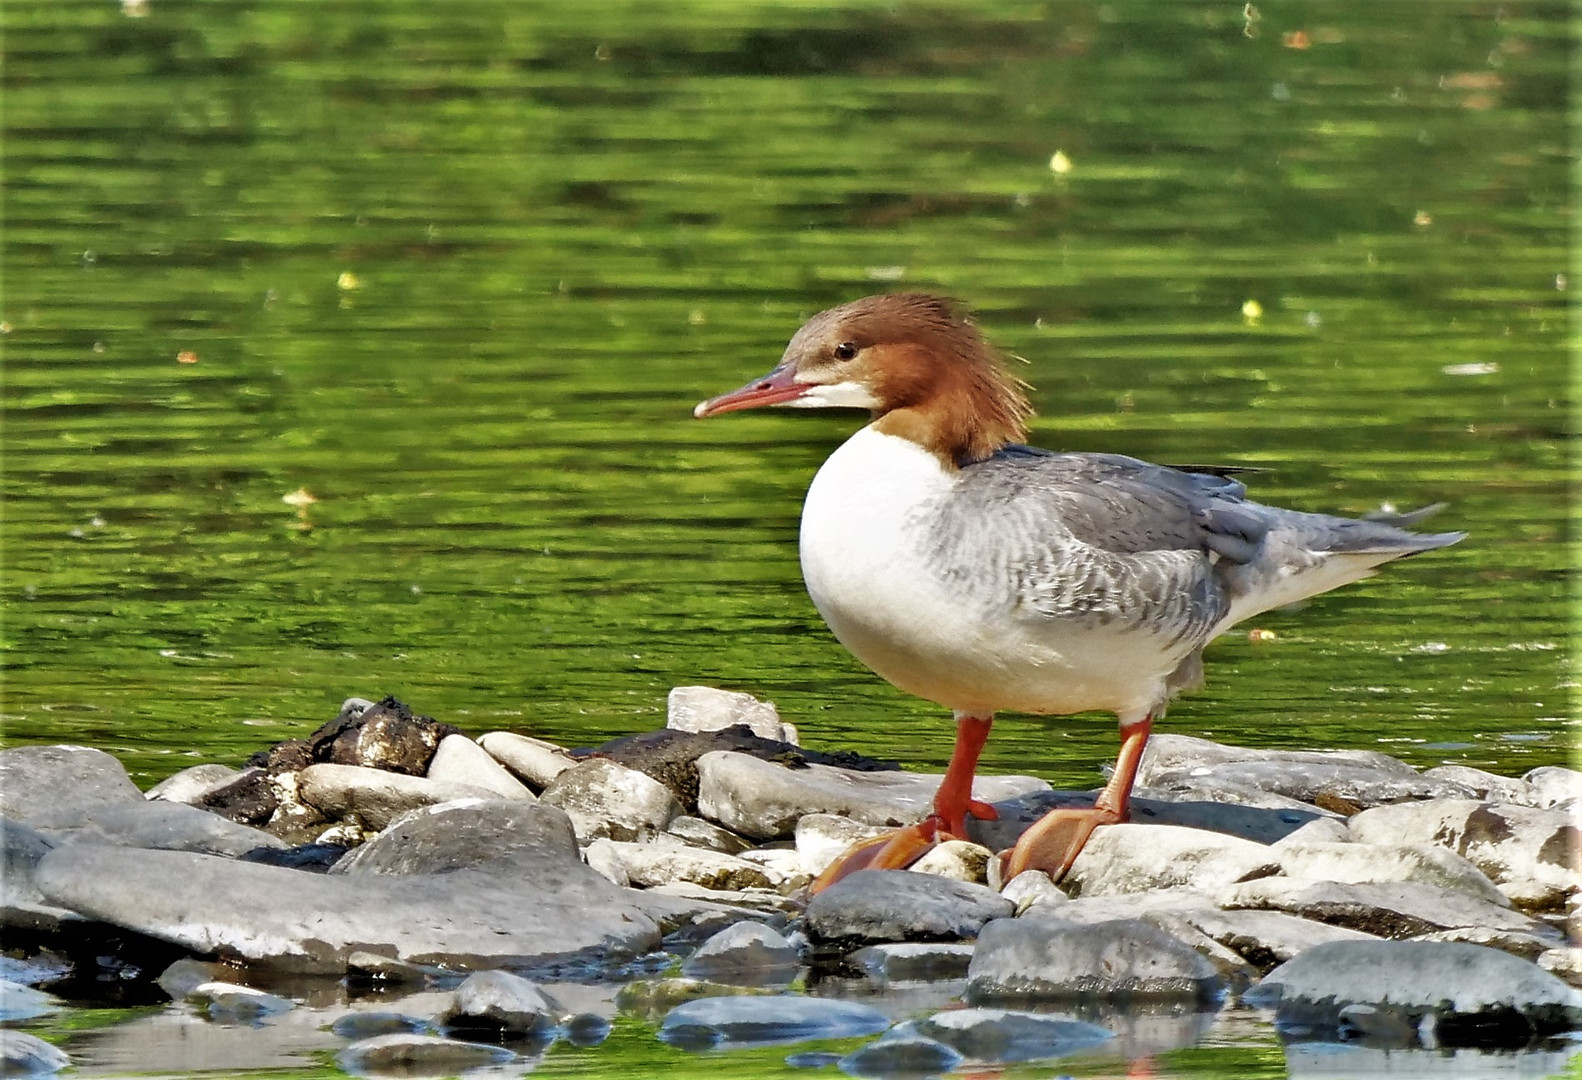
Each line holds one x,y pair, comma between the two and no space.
953,803
1055,840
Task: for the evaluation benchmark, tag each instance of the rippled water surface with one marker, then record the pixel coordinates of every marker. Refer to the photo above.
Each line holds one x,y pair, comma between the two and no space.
456,273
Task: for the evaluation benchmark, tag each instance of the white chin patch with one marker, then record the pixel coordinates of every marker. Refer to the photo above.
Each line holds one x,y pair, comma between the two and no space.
841,395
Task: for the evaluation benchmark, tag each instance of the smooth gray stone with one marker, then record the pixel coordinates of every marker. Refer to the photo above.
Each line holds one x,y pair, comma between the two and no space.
502,1004
706,834
184,975
315,922
1005,1035
905,962
747,952
764,799
533,761
229,1003
1364,785
508,837
901,1051
1470,991
704,708
898,905
21,848
375,796
767,1020
1358,863
1123,958
189,785
22,1054
586,1029
171,826
1138,858
1169,753
1554,785
606,799
1465,782
459,760
418,1055
1386,910
1530,853
19,1002
665,861
57,787
369,1025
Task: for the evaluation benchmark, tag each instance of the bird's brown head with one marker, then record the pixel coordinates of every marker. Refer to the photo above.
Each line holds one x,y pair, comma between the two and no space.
913,360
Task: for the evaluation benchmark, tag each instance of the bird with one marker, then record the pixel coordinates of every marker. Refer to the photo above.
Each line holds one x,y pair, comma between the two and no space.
975,571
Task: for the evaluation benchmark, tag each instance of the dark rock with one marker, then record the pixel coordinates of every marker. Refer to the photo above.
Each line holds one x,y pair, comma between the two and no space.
418,1055
748,953
897,905
249,798
671,757
497,1004
1475,996
371,969
767,1021
313,858
1004,1036
1124,959
386,736
59,787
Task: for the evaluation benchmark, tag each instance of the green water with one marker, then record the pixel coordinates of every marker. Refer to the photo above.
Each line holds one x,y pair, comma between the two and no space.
461,270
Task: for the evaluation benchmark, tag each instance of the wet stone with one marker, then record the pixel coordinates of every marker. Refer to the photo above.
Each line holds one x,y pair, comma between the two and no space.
767,1021
22,1054
230,1003
369,1025
19,1002
901,1051
1004,1035
418,1055
497,1004
1120,959
897,905
902,962
747,952
1474,995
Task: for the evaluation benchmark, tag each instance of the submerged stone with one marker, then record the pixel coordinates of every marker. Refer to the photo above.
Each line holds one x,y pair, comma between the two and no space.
767,1020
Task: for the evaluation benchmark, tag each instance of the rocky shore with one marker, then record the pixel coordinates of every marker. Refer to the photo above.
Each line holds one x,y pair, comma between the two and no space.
438,903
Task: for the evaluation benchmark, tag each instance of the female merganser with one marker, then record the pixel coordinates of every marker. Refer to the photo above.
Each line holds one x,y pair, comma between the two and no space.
985,575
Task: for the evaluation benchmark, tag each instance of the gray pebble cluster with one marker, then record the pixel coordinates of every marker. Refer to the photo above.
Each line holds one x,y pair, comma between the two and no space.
504,894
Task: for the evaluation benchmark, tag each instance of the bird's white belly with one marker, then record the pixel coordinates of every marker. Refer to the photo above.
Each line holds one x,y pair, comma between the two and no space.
866,560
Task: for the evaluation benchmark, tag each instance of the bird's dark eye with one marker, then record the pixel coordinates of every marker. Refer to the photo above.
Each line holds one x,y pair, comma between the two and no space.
846,350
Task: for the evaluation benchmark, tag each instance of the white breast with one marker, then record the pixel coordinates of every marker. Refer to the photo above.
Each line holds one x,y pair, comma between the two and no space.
866,560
